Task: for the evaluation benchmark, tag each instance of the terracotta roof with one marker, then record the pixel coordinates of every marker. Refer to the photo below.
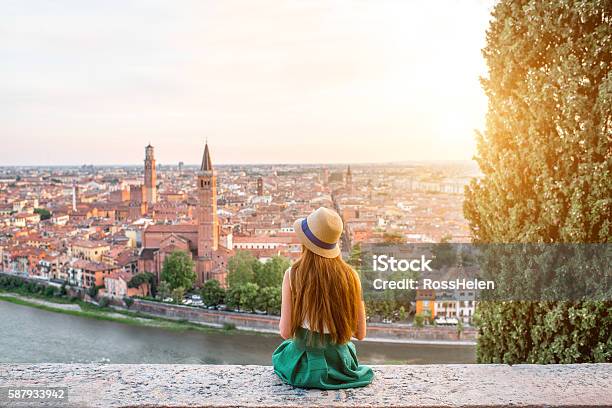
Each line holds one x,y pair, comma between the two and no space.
148,253
264,239
172,228
89,244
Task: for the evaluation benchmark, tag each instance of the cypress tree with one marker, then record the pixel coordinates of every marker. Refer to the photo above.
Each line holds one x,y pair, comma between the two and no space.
546,159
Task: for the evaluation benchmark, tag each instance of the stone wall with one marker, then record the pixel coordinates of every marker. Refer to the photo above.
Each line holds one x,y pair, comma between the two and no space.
158,385
266,323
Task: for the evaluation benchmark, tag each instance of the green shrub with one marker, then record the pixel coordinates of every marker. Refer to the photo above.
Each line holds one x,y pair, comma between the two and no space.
544,332
212,293
104,302
49,291
128,301
93,291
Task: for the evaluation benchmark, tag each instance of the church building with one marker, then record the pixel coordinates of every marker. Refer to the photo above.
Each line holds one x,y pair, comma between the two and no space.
200,239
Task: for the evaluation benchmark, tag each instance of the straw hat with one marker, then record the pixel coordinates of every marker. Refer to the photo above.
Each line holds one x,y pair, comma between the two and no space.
320,232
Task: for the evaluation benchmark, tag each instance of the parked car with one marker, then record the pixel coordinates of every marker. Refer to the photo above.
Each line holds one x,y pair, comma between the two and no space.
452,321
187,301
446,321
196,297
440,320
168,300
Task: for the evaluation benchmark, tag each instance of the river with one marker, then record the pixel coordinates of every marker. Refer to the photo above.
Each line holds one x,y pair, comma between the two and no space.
30,335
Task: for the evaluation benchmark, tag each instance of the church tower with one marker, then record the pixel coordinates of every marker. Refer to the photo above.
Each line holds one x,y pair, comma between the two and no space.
150,177
349,180
208,222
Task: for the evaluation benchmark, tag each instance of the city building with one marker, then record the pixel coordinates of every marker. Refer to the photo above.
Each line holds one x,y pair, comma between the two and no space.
200,240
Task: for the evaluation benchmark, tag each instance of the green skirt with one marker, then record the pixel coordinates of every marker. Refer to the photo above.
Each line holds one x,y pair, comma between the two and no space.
326,366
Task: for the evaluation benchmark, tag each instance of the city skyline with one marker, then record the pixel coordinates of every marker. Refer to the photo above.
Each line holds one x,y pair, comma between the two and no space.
344,83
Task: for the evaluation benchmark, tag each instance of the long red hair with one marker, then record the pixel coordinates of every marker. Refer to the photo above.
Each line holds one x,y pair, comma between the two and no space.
326,293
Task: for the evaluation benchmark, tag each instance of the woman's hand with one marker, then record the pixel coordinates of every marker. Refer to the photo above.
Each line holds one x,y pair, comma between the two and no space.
361,322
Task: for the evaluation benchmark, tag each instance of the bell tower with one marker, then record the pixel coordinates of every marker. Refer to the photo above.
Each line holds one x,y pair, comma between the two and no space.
349,180
208,222
150,175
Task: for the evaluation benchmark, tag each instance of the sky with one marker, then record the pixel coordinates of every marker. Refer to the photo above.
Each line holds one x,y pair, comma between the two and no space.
308,81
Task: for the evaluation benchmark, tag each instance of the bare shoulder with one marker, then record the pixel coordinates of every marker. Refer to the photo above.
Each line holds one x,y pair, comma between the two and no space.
287,276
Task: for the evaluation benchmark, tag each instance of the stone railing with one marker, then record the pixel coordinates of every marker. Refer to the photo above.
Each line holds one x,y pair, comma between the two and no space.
117,385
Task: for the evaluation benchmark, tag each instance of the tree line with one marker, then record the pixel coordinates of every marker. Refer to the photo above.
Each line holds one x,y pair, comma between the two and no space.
251,285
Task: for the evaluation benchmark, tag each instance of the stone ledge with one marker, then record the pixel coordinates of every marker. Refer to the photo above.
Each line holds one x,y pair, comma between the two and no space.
134,385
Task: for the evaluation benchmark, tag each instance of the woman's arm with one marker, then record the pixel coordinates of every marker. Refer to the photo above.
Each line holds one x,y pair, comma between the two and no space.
285,320
361,322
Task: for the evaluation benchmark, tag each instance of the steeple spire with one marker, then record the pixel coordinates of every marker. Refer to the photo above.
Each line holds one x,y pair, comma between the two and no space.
206,162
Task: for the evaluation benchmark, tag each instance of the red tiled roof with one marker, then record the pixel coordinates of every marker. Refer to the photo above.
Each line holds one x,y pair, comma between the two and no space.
172,228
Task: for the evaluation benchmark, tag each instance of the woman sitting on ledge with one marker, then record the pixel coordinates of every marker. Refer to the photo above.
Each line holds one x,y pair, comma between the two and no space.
321,310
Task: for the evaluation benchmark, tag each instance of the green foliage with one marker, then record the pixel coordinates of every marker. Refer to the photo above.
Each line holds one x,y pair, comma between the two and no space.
140,278
212,293
164,290
402,315
460,327
271,273
178,270
544,332
43,212
178,294
444,254
241,269
269,300
243,297
93,291
248,296
545,152
104,302
419,320
22,286
128,301
545,158
49,291
355,257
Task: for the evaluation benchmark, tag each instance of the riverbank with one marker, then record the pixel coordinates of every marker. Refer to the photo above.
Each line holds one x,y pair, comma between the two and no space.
179,317
189,317
84,309
33,335
377,332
